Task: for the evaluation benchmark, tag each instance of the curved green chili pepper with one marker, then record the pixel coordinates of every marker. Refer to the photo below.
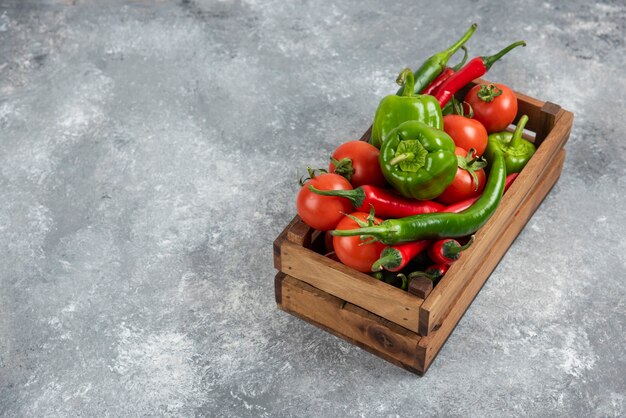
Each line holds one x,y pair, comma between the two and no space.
517,151
434,65
418,160
441,225
393,110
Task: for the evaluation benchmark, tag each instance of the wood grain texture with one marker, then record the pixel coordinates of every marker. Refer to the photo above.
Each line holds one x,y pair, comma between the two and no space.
300,233
438,303
420,287
433,342
341,281
279,240
356,325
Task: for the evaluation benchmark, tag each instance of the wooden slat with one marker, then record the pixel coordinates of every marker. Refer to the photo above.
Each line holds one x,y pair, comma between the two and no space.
447,291
356,325
300,233
550,112
279,240
420,287
435,340
350,285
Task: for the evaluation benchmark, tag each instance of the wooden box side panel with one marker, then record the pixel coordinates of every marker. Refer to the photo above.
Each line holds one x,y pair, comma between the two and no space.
433,342
356,325
334,278
438,303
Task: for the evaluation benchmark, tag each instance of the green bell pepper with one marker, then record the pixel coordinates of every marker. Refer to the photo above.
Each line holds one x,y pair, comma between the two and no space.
516,150
418,160
393,110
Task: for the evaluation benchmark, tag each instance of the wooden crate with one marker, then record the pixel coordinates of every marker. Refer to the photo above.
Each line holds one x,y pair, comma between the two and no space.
400,327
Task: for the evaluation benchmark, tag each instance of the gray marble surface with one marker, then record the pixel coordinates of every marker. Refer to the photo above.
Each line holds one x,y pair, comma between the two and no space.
149,153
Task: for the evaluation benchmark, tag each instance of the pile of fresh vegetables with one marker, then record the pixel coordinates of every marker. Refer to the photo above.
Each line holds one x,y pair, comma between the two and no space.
407,203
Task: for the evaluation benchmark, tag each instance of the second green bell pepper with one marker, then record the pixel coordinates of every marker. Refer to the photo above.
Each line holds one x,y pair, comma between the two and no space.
393,110
418,160
516,150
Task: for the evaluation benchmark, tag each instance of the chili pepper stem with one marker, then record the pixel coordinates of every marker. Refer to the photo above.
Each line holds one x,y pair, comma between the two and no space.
455,47
519,130
355,196
417,274
453,251
401,157
462,63
390,258
375,231
488,61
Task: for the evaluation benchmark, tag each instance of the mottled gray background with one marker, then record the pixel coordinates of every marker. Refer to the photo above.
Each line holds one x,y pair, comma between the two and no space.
149,153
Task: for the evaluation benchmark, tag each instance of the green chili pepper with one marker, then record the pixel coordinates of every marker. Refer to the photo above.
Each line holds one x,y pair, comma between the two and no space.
393,110
517,151
418,160
434,65
441,225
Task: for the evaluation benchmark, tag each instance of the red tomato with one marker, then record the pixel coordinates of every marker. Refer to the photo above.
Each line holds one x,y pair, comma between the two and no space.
496,115
323,212
463,186
351,251
466,133
364,157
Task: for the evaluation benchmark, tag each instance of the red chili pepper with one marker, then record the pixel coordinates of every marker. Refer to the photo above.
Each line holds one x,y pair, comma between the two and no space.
386,204
475,68
445,74
396,257
447,251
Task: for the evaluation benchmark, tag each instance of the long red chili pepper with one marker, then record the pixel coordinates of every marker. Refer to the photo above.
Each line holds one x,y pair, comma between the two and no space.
475,68
445,74
396,257
447,251
386,204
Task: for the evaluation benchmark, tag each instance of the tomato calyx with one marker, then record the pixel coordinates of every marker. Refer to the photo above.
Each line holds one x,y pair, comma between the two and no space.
489,92
471,164
312,173
369,221
343,167
458,108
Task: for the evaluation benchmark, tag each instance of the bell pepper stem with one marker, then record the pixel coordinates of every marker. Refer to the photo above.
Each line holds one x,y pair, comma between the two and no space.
406,79
489,60
519,130
401,157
